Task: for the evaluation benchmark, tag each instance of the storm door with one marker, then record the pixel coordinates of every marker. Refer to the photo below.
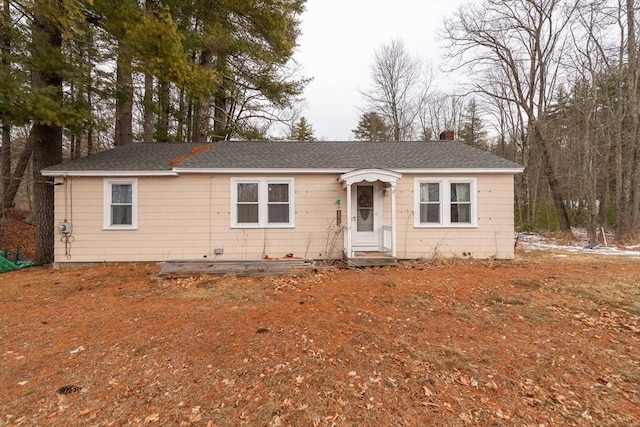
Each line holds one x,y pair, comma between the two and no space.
366,218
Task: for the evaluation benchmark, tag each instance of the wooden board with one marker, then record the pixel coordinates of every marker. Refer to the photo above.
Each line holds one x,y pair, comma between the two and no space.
372,262
271,267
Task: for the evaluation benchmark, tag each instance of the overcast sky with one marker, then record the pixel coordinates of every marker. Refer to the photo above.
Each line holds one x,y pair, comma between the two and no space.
339,38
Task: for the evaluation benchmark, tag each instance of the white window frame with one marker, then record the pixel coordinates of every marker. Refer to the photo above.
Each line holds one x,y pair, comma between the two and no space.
263,202
107,220
445,202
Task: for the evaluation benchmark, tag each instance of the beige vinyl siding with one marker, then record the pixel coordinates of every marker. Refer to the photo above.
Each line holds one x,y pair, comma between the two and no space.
492,237
186,217
314,216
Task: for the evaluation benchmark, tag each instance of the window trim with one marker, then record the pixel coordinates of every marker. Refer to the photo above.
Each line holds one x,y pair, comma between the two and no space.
445,202
106,210
263,202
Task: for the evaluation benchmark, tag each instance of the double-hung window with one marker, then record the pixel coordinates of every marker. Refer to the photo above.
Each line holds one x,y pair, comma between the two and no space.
460,206
262,202
120,210
445,202
430,202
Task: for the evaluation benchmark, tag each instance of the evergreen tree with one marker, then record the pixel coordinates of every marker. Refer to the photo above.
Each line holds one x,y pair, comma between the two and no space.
249,43
46,81
302,131
472,130
372,127
229,61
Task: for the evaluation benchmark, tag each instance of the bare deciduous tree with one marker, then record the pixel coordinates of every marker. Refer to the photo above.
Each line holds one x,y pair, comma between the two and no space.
515,46
398,88
439,112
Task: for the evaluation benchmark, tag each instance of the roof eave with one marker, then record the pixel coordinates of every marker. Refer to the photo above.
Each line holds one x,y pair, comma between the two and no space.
101,173
178,171
345,170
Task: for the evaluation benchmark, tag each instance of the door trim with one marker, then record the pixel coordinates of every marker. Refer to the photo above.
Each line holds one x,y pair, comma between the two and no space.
381,177
366,240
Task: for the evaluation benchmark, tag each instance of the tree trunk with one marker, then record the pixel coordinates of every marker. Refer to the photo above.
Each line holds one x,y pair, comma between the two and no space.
48,138
202,113
590,179
147,124
631,192
181,117
9,196
549,172
220,118
164,105
5,154
124,97
221,102
90,128
5,51
47,152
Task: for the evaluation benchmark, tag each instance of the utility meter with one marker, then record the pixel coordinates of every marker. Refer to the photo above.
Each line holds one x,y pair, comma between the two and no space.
65,227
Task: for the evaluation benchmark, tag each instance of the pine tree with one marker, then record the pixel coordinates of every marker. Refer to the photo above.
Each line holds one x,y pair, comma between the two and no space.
472,130
302,131
372,127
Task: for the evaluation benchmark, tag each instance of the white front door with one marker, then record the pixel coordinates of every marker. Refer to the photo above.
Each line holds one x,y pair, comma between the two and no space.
366,218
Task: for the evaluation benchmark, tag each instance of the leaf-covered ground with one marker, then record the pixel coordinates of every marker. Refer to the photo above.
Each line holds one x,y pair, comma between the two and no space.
540,340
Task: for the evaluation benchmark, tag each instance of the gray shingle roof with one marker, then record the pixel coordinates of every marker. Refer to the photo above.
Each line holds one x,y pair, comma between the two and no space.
148,156
290,155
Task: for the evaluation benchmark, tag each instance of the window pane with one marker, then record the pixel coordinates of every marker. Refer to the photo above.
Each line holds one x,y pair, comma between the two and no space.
430,213
121,215
461,192
430,192
248,192
278,213
279,193
461,213
365,196
121,193
365,219
248,213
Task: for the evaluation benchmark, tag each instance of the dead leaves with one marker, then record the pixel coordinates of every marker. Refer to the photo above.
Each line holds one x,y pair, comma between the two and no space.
152,418
610,320
247,352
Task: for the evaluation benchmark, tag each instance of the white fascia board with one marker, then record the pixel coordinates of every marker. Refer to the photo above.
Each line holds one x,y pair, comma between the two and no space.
257,171
264,171
109,173
469,171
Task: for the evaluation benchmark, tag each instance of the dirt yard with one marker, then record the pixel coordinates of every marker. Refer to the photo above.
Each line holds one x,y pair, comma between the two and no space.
537,341
543,340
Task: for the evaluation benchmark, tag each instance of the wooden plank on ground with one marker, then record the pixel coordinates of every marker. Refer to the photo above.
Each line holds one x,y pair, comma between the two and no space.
256,268
358,262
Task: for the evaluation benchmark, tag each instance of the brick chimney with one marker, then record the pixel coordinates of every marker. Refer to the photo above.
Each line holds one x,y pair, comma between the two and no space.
447,135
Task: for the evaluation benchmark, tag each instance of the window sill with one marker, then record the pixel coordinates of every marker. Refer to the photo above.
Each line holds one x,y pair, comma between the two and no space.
258,226
445,226
120,228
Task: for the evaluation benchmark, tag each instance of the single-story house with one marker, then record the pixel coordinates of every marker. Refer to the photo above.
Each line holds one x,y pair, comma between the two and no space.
233,200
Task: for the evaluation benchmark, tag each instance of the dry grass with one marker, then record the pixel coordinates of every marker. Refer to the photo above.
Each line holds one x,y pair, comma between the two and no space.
527,342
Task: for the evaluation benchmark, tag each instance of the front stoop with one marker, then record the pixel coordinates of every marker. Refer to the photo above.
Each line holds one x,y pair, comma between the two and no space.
372,259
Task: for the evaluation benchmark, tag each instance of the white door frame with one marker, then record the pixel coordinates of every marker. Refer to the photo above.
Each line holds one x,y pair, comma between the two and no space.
389,179
366,212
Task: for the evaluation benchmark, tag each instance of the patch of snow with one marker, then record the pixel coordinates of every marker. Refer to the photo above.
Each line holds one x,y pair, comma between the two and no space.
533,241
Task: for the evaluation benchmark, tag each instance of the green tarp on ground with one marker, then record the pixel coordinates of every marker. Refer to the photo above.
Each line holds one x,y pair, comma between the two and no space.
6,265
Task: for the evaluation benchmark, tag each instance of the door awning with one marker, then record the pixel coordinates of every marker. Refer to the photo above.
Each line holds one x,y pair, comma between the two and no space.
369,175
